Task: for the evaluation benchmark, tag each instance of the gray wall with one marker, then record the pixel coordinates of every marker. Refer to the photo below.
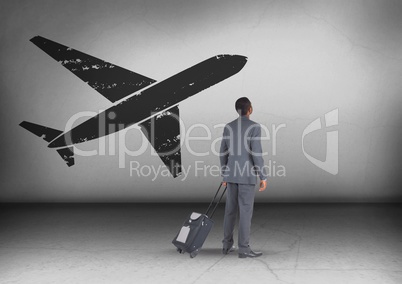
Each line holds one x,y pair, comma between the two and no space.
306,58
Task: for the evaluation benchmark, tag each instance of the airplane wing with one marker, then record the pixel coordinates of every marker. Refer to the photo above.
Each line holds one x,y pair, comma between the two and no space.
111,81
163,132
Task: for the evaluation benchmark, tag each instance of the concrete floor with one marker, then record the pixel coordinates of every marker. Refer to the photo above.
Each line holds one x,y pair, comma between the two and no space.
132,244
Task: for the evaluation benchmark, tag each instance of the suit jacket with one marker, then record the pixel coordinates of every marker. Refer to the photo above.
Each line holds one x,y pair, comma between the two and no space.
241,153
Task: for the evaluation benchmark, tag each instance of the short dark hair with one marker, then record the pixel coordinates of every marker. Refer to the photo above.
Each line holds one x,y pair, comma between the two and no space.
242,105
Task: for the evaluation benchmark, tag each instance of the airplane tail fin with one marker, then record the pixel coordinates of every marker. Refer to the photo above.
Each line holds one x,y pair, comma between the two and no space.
49,134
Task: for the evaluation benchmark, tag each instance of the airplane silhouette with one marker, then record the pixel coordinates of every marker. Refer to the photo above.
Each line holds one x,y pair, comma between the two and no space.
136,100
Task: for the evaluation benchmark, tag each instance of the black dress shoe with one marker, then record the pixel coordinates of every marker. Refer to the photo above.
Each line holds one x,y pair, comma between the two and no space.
250,254
228,250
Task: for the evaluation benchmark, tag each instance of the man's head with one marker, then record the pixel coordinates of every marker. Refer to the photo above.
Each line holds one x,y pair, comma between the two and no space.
243,106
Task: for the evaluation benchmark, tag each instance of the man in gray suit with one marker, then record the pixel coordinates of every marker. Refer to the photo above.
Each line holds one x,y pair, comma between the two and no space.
241,162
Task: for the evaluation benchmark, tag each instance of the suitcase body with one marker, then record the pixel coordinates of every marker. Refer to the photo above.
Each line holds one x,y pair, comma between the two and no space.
195,229
193,233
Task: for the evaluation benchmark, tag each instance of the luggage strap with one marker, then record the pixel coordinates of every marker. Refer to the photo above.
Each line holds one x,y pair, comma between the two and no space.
217,203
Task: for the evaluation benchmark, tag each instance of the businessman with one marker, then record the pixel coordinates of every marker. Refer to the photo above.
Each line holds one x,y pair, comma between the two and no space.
241,164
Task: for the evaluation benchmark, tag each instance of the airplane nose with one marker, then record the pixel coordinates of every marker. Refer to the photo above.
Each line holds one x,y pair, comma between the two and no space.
237,61
241,59
231,63
231,57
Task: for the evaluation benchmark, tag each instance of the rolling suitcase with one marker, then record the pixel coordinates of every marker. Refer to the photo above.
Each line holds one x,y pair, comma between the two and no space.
196,228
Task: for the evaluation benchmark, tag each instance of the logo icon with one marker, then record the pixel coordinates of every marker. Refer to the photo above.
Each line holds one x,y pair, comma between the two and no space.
330,164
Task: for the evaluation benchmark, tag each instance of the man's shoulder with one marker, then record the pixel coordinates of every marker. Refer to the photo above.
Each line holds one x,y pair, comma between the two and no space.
245,122
233,122
253,122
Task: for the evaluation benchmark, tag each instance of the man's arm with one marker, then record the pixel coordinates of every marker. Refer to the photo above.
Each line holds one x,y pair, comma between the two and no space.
223,152
256,153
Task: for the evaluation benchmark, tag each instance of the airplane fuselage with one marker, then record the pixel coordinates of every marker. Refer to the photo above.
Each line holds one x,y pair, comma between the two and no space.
156,98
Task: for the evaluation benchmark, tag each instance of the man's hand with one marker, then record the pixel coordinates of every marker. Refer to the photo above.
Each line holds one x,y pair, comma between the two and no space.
263,185
224,183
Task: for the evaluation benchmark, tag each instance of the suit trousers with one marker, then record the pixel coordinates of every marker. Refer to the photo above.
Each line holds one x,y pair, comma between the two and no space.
239,201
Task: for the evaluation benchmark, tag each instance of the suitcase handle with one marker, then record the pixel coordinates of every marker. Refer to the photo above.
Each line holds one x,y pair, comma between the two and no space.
217,203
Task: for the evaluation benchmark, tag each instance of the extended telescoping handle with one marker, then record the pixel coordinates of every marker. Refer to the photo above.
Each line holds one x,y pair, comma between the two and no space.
217,203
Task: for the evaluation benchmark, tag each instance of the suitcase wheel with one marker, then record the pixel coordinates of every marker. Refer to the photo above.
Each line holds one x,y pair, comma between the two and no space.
194,253
180,251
